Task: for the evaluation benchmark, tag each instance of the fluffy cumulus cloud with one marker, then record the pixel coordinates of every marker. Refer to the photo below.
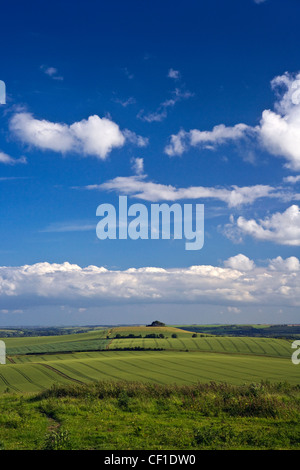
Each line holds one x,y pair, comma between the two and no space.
137,186
94,136
240,262
282,228
220,134
239,283
278,131
290,264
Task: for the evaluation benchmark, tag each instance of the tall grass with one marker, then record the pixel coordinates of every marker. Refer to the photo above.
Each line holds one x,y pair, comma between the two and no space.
133,415
262,399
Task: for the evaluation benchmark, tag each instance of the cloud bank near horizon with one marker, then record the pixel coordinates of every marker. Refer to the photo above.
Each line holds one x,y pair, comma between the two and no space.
238,282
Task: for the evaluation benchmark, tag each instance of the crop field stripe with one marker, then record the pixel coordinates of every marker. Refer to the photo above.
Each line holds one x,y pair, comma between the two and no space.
257,342
178,367
45,372
155,371
273,347
246,343
233,344
26,377
54,374
105,373
202,368
7,383
271,371
112,364
134,366
220,344
10,359
76,372
220,366
243,365
182,342
260,344
57,371
210,348
277,347
285,348
128,371
196,344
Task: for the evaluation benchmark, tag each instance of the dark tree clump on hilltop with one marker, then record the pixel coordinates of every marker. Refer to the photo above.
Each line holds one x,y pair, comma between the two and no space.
157,323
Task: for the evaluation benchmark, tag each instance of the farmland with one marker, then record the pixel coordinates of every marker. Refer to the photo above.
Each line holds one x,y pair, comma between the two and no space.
153,354
224,392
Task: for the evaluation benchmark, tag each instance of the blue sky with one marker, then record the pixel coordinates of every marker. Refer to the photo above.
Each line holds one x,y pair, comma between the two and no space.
194,102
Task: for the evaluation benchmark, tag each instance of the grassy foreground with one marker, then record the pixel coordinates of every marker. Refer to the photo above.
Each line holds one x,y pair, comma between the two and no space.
132,415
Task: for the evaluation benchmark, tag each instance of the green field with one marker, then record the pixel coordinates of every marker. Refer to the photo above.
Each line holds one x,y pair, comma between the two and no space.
148,388
31,374
125,353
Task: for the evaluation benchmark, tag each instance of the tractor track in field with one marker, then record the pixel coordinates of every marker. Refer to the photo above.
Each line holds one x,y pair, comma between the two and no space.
9,385
10,359
60,373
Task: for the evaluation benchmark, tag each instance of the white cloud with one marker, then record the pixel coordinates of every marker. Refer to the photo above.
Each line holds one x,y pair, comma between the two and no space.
233,310
94,136
97,136
157,116
52,72
125,103
175,74
240,262
162,111
292,179
67,284
234,196
8,160
73,226
220,134
278,131
281,228
138,165
290,264
177,144
135,139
